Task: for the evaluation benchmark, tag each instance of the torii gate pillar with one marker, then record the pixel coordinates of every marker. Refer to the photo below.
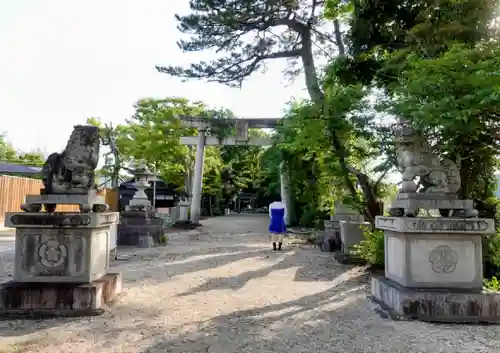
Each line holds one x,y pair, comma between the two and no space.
198,178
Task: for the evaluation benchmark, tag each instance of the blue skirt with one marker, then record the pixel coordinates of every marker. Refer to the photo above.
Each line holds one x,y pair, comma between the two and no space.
277,221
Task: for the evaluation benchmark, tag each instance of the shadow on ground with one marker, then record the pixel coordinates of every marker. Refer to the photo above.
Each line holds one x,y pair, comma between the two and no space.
137,271
292,326
262,329
307,271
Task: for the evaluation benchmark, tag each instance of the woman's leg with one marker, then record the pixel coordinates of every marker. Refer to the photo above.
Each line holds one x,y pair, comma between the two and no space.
280,241
274,239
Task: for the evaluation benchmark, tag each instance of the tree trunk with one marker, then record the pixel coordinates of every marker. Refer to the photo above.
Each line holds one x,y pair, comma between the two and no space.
338,38
312,82
317,96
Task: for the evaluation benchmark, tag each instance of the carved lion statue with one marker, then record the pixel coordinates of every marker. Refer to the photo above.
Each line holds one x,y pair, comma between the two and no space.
435,175
72,171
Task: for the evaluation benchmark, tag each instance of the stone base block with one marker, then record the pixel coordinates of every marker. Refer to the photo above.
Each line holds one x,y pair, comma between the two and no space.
71,255
452,306
351,233
145,241
131,229
435,252
330,241
34,300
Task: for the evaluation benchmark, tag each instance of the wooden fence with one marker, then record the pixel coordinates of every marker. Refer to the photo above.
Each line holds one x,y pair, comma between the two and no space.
13,191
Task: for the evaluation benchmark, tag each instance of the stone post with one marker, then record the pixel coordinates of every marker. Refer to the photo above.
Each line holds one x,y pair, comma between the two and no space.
351,233
284,190
332,239
183,209
198,178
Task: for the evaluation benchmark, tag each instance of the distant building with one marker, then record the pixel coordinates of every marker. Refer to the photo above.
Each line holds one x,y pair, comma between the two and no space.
19,170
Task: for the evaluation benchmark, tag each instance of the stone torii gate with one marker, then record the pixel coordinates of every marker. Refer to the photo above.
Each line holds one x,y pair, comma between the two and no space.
240,139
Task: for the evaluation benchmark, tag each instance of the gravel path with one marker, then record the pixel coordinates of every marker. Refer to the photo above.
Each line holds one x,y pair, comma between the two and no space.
225,291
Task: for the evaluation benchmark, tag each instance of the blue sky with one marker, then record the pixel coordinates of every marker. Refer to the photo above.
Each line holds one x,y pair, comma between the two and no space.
65,60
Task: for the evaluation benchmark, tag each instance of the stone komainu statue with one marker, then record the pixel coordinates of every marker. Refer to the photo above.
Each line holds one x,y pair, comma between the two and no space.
72,171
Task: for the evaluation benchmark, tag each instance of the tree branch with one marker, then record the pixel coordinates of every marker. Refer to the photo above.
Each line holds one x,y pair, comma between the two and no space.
234,70
244,32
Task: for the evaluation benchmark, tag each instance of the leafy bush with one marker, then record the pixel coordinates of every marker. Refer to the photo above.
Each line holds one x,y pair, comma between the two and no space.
371,249
492,284
163,240
490,208
491,255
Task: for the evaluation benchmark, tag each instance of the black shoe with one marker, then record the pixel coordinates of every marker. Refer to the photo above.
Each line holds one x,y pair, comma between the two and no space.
274,246
279,246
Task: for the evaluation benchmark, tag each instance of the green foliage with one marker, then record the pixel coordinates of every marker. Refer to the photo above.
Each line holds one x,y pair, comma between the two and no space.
371,249
35,158
490,208
113,158
491,248
338,8
315,145
492,284
383,33
327,149
220,124
454,98
153,135
163,240
9,154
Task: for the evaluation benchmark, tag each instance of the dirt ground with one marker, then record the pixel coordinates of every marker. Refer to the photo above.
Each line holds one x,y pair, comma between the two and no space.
222,289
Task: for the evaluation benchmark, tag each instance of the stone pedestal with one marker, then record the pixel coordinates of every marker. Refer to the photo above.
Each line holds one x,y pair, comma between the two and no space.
183,210
433,265
62,248
87,202
135,226
332,238
138,224
183,213
351,233
409,204
449,306
175,214
35,300
60,264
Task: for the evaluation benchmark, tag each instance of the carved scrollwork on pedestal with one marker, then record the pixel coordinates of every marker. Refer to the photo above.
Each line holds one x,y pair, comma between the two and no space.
52,254
443,259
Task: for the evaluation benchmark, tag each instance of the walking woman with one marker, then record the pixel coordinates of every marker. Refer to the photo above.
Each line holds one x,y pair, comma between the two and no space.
277,223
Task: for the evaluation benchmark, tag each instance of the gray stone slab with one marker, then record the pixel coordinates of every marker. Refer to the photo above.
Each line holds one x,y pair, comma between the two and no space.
61,255
132,228
436,225
424,196
145,241
64,219
432,204
351,233
35,300
440,260
68,199
436,306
